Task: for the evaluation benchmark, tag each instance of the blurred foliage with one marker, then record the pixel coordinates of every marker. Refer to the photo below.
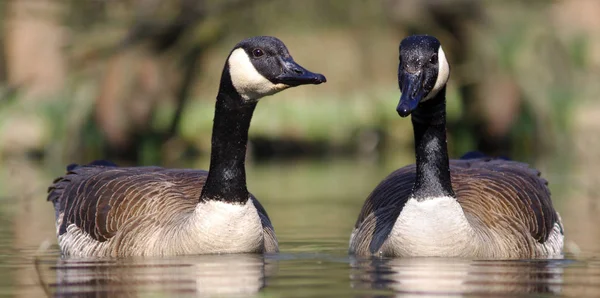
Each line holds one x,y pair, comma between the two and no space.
140,77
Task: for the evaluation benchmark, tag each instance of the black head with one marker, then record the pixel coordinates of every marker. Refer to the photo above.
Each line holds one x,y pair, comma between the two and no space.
422,71
261,66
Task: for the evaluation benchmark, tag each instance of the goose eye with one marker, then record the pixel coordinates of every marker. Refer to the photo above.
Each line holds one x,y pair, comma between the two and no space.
433,59
257,53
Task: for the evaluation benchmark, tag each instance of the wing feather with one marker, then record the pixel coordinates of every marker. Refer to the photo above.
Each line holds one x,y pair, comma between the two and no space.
380,211
508,188
491,190
100,199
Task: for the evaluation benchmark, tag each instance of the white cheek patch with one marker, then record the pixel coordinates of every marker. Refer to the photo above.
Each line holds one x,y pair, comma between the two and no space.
443,74
247,81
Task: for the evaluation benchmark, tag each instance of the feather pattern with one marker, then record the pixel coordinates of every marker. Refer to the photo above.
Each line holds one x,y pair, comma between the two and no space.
506,202
100,208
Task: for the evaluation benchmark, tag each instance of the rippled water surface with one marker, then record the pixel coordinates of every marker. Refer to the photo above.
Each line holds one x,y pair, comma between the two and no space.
313,207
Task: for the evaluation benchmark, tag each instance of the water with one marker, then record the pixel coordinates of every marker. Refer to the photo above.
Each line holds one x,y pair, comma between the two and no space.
313,206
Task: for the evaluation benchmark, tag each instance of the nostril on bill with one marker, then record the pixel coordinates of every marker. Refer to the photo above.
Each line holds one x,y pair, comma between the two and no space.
414,93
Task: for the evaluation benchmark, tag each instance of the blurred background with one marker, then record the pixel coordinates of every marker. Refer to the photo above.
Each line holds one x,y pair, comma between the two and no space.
134,81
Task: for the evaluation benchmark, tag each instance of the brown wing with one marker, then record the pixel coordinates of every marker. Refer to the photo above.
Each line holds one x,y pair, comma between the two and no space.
504,188
100,199
494,189
381,209
393,191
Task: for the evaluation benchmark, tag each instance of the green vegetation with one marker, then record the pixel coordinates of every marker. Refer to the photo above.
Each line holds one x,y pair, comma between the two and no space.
515,79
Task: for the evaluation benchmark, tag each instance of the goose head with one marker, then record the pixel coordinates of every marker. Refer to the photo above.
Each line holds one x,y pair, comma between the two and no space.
422,71
262,65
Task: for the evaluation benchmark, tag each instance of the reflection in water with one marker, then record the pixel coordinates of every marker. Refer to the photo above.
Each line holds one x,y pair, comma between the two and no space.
206,275
439,276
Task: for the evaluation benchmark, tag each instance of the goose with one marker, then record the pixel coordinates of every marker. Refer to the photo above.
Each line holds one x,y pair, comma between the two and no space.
476,207
103,210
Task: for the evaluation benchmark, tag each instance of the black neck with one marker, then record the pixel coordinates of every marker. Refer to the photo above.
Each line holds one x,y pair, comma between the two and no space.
226,179
433,169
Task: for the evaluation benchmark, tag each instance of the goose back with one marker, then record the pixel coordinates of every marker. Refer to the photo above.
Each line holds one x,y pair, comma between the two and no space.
106,202
497,196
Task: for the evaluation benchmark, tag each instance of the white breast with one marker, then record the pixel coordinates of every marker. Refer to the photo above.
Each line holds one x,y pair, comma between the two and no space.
432,227
228,228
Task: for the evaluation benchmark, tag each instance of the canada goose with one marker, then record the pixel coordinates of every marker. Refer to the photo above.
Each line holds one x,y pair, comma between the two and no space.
104,210
478,208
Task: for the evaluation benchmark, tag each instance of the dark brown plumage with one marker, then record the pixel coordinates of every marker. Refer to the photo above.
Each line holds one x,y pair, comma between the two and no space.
104,200
490,191
100,200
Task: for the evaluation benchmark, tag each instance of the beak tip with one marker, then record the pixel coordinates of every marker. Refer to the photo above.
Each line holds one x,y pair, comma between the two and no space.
320,79
403,112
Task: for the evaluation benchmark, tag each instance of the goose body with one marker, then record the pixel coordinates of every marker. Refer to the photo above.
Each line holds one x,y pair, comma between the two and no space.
103,210
476,207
